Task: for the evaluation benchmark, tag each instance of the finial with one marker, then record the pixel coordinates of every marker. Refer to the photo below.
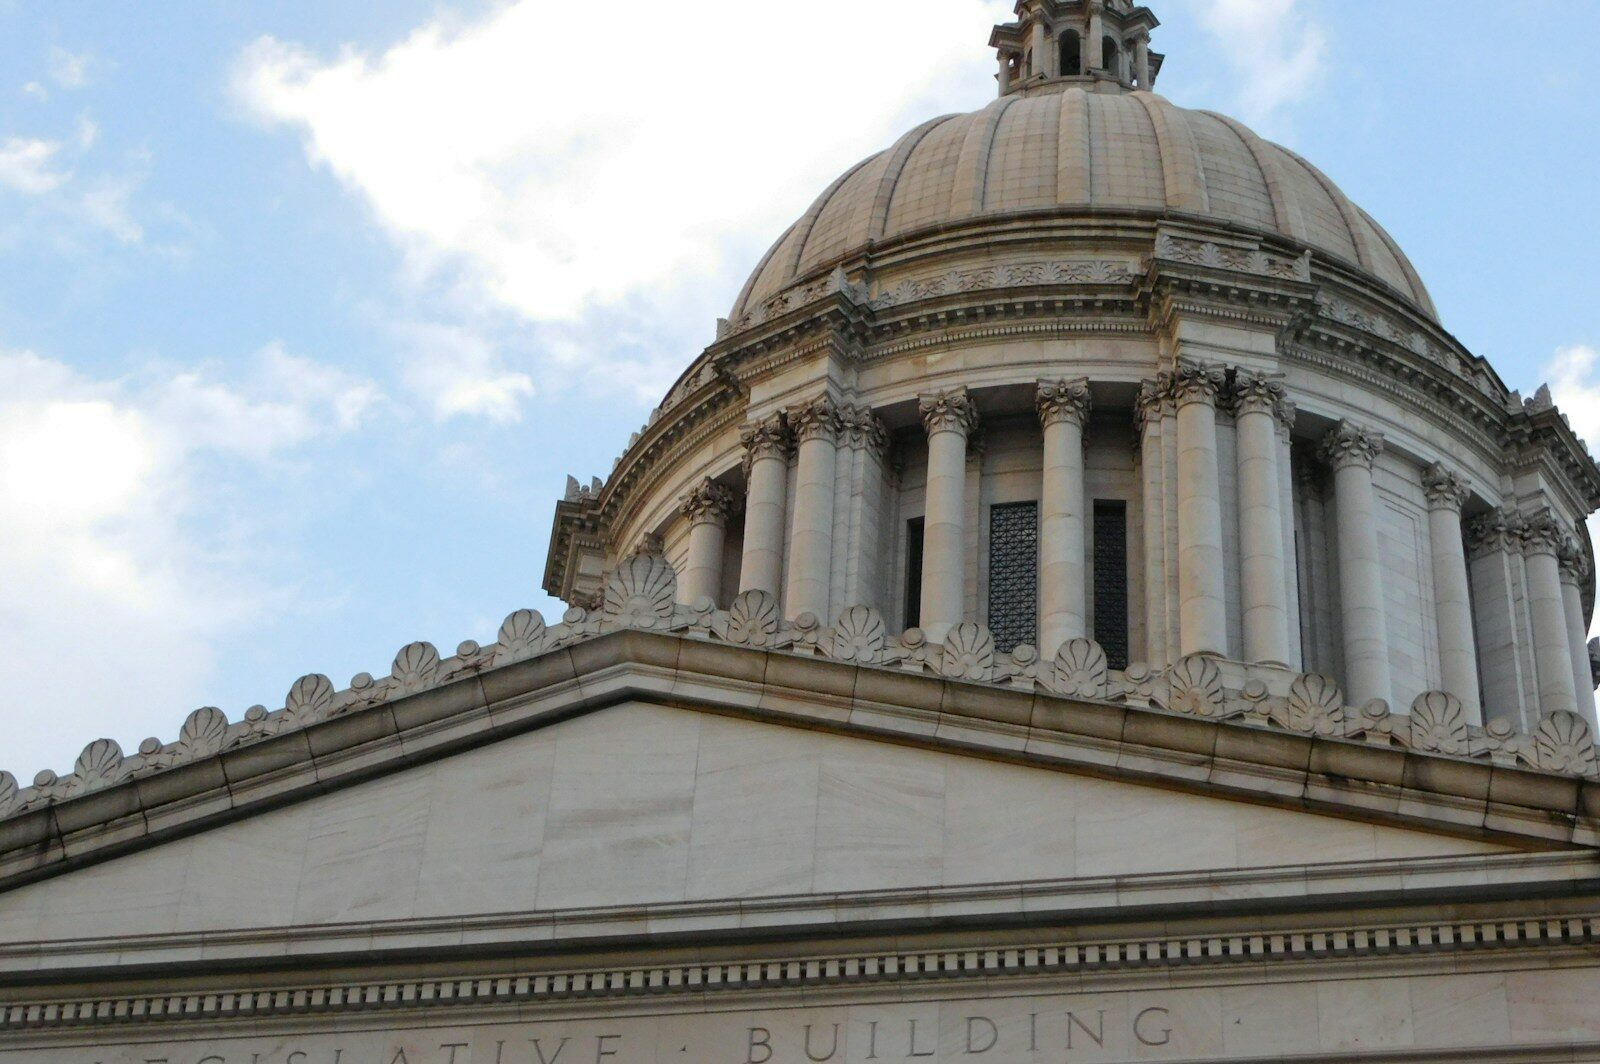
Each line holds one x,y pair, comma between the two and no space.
1100,45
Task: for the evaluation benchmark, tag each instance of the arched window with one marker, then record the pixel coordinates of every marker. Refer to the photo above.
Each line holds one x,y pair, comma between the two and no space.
1109,56
1071,54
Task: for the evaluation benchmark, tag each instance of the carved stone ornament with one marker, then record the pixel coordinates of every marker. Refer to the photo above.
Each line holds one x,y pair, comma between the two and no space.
1444,489
859,636
708,503
1574,564
1439,723
1257,393
948,411
1316,705
817,420
641,591
861,429
1348,444
753,619
1197,382
1063,400
99,764
1543,533
1194,685
522,636
10,795
1081,670
310,699
203,732
1498,530
968,652
767,438
1564,742
1155,397
415,668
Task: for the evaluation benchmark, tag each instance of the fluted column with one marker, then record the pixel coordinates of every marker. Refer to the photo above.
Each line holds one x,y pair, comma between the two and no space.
816,428
1063,407
1574,569
859,550
707,507
1498,573
1202,604
1351,451
1452,602
949,418
1286,509
1542,543
766,473
1153,398
1264,590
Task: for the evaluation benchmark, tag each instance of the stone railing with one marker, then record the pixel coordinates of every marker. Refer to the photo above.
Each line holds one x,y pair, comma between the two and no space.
641,594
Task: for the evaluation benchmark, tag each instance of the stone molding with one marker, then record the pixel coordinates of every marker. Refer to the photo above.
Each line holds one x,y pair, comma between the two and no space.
1349,444
816,420
1064,400
640,595
1215,256
948,411
709,503
1453,941
1445,490
1197,382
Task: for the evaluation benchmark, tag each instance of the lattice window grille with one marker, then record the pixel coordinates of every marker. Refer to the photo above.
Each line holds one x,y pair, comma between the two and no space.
1014,575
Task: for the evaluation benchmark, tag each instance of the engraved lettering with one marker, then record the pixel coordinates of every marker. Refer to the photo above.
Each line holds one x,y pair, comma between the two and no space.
537,1048
988,1031
499,1051
212,1059
1033,1032
1162,1036
760,1038
290,1059
832,1049
400,1057
452,1047
601,1050
913,1043
1099,1032
872,1040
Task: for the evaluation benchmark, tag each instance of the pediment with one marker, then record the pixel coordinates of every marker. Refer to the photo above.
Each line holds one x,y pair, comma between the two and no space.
646,806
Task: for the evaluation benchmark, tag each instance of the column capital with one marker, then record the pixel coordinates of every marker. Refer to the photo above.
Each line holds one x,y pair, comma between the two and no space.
1498,530
1154,400
1258,393
818,419
1444,489
1197,382
948,411
861,429
1063,400
1348,444
708,503
1574,563
766,437
1543,533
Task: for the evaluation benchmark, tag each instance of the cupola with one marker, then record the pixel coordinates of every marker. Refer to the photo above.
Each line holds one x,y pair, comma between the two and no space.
1097,44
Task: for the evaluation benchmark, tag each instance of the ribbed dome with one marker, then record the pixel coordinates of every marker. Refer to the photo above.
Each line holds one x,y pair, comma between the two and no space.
1078,150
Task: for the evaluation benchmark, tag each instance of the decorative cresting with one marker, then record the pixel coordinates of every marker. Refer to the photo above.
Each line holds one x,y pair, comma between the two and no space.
1351,450
640,594
1063,407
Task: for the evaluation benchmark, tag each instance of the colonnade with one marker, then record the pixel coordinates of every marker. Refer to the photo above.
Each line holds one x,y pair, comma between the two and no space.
1186,572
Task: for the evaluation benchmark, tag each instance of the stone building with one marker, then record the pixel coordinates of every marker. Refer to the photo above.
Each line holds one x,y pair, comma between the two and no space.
1082,607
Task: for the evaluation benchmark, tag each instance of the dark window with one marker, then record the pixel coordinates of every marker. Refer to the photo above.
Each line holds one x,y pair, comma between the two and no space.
1108,55
1014,575
1111,580
1071,54
914,572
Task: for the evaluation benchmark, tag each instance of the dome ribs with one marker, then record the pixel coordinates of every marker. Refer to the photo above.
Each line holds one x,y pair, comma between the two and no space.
877,209
1418,291
1182,175
1347,211
801,230
1285,205
972,172
743,301
1074,175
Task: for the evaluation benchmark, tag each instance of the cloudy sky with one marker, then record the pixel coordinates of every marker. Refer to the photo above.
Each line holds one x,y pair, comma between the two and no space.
307,309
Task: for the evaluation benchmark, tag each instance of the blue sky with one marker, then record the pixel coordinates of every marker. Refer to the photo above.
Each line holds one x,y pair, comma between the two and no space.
307,309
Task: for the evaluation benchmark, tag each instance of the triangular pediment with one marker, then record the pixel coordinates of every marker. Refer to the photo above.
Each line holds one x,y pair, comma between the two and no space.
645,805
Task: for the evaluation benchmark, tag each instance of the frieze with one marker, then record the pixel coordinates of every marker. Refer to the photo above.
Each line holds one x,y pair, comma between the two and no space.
641,594
1012,275
1238,260
1384,328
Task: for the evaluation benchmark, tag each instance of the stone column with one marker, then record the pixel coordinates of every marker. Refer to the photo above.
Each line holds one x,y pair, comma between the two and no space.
1096,55
1202,603
859,552
1264,594
950,417
766,477
1542,543
1574,569
1141,60
1063,407
815,428
1004,76
1351,451
707,507
1041,50
1286,509
1452,602
1153,398
1498,574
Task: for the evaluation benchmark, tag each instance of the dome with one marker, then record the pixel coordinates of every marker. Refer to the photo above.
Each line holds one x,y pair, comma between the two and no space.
1080,150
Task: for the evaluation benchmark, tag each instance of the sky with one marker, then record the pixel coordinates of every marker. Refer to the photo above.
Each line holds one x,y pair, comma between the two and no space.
307,310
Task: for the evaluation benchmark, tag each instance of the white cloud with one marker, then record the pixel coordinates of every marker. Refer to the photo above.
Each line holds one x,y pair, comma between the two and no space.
520,170
1274,49
1574,376
27,166
35,91
69,70
111,549
455,371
